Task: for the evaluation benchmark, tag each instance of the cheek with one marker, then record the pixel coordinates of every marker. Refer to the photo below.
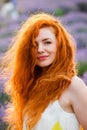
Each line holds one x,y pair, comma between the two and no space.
54,52
54,49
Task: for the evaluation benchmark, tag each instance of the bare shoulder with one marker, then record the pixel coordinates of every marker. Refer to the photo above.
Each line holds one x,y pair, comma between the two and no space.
78,90
78,97
77,84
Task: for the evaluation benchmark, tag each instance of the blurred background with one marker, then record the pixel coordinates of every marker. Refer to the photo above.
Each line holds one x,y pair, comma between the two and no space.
73,15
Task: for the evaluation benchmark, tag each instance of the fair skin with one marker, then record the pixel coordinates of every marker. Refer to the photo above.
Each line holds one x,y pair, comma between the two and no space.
74,98
46,46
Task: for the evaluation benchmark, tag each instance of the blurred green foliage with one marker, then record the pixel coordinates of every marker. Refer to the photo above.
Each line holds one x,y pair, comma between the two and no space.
4,98
82,67
59,12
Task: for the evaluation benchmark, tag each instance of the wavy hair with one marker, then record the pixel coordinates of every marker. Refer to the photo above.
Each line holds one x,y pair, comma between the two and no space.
30,90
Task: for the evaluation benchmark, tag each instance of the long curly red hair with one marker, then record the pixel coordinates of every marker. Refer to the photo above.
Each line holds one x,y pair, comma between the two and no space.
30,90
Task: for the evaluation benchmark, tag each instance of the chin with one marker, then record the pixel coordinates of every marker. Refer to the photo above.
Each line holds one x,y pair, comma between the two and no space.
43,65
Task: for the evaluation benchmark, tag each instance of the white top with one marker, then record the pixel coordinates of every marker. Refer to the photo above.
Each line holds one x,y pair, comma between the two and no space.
55,118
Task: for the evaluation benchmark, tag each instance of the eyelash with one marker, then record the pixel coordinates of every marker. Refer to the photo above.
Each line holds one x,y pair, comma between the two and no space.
47,42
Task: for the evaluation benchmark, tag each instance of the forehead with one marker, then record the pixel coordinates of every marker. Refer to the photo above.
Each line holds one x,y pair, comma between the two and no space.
46,33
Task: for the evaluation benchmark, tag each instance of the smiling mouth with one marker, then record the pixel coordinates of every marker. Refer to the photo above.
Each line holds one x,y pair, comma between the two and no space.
42,57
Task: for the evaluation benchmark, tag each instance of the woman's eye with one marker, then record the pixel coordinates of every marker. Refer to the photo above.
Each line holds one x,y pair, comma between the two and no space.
47,42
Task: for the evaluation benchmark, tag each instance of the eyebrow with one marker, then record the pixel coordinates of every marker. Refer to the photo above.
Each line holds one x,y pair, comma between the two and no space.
46,39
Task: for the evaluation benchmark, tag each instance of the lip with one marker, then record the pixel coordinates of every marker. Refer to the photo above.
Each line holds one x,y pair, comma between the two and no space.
42,57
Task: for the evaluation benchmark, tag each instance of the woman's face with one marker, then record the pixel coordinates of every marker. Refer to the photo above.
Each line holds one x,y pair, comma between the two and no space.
46,47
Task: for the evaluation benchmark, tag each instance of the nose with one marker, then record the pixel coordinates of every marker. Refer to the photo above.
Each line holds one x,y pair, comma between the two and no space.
40,48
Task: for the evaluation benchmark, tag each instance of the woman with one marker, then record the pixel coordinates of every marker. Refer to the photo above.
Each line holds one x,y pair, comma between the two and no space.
45,92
